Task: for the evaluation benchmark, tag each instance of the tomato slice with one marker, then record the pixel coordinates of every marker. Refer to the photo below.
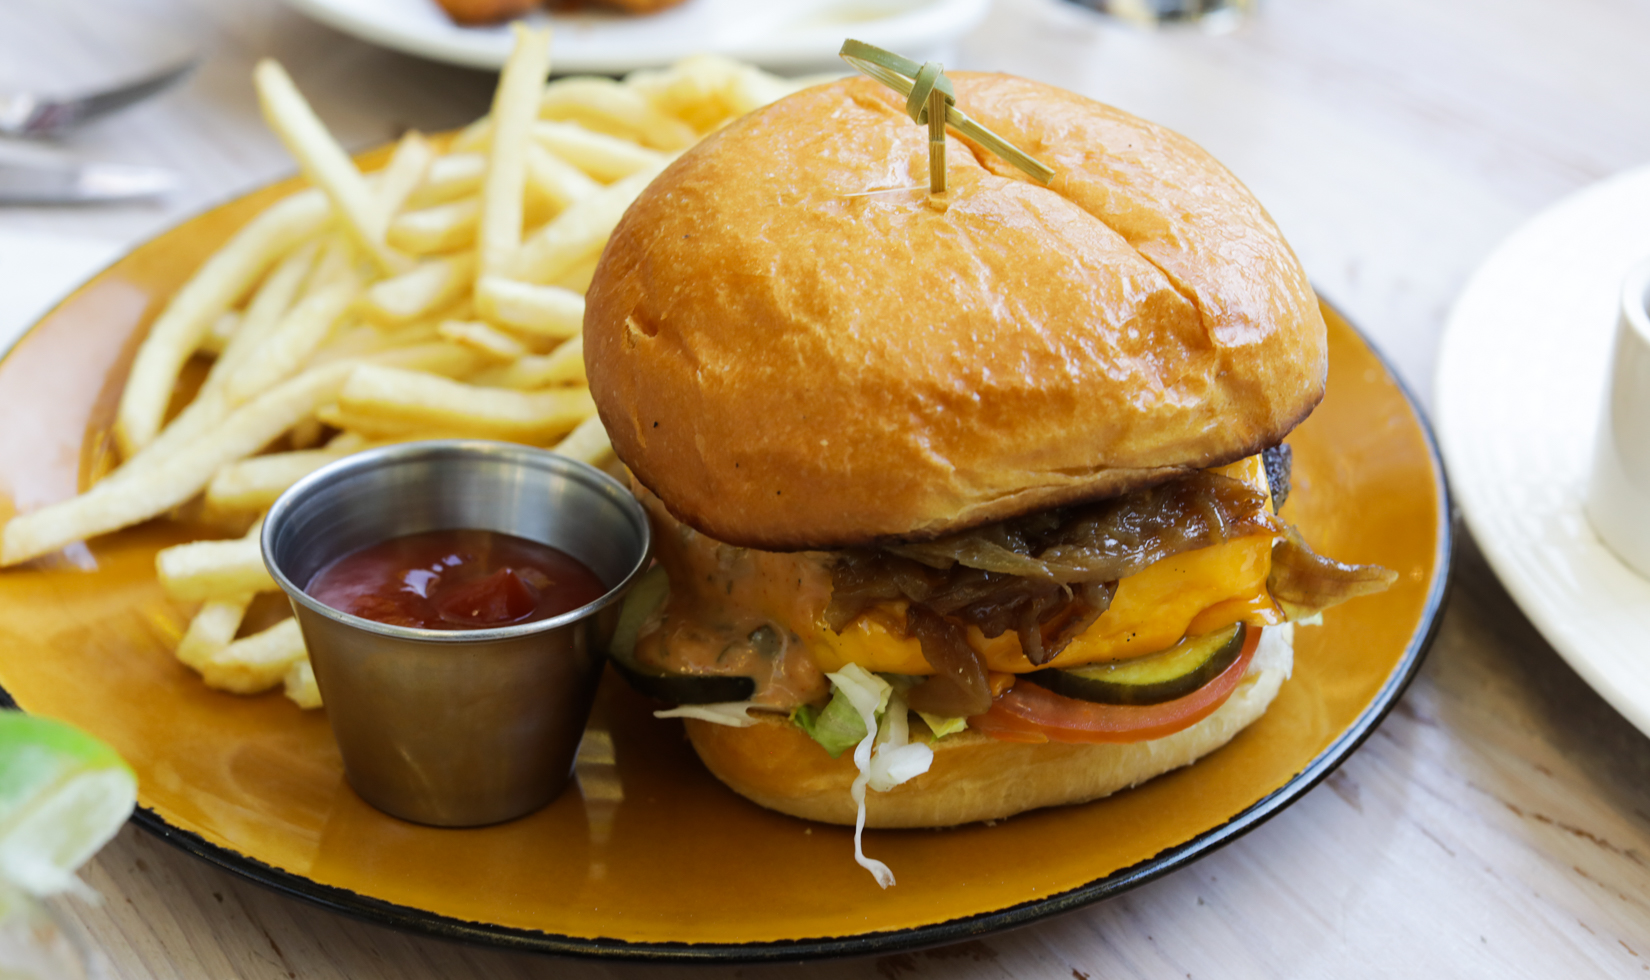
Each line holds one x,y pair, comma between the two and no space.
499,599
1031,713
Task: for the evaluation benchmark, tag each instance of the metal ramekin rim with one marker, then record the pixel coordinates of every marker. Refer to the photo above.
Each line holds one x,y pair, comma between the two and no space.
401,452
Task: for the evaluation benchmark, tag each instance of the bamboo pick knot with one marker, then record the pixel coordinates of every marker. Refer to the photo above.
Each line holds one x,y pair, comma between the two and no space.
931,100
929,78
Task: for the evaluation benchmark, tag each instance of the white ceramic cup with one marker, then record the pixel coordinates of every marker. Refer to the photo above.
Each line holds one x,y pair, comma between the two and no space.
1618,497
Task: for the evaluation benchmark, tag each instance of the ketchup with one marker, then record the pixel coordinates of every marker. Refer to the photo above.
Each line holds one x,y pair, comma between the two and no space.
456,580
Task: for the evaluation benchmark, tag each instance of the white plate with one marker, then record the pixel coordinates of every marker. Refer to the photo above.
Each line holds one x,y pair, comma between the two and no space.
784,35
1521,376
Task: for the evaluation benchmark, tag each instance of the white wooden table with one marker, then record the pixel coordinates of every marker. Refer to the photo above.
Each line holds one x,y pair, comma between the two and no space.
1497,824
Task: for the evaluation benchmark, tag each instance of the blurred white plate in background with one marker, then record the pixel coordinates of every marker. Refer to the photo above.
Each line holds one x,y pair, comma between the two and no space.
783,35
1521,378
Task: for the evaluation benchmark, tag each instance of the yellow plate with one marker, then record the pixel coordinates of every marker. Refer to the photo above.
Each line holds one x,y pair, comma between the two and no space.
648,856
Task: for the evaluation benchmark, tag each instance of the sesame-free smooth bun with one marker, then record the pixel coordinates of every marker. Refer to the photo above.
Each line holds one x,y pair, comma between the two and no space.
795,348
974,776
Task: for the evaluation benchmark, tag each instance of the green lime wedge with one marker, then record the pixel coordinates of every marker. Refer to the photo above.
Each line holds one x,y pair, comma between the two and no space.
63,794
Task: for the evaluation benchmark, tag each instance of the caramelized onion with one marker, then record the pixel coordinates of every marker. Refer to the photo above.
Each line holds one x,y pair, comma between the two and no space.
1105,541
959,686
1305,583
1047,576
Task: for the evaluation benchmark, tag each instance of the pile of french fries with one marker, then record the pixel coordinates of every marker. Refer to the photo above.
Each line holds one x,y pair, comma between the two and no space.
440,297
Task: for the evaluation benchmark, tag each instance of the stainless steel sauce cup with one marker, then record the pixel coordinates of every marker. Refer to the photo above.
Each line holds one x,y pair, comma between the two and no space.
457,728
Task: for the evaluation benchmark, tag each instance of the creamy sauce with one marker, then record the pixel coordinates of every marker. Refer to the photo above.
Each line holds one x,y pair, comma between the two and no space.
728,612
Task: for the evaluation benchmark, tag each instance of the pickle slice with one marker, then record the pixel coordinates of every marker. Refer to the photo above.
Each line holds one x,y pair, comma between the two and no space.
1153,679
686,688
646,596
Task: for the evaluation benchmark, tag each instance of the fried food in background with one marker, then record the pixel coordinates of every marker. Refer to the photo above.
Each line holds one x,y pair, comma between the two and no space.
440,296
471,12
643,6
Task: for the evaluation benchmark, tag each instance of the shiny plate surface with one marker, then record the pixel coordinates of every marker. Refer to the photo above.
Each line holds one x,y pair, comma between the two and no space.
647,856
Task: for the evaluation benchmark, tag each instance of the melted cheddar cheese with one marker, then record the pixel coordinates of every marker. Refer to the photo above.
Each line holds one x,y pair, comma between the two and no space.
1183,595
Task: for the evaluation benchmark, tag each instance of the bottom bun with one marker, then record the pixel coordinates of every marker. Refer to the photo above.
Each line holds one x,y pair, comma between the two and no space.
974,777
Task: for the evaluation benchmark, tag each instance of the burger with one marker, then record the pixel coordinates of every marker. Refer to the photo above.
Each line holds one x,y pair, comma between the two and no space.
965,503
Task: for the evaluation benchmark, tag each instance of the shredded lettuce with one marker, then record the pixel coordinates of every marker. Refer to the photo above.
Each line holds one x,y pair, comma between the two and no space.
869,694
884,754
897,758
942,725
838,727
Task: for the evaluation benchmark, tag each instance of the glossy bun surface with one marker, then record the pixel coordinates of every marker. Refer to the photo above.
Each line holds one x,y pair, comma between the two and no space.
794,349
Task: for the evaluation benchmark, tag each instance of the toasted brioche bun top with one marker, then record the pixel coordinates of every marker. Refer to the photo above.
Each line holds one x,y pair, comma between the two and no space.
796,350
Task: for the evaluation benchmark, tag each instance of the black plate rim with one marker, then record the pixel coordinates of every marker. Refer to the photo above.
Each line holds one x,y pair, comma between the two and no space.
433,924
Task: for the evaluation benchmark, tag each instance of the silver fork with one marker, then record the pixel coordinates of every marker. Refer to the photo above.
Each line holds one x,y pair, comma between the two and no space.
30,115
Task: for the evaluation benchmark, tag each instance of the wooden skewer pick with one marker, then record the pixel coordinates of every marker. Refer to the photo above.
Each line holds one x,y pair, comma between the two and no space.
936,142
931,99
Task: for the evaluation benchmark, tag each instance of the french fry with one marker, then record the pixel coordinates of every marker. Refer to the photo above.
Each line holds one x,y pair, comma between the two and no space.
290,344
587,443
399,178
439,228
483,338
342,326
199,417
212,629
610,107
300,685
450,177
605,158
258,662
514,107
209,411
564,365
206,570
253,484
444,358
263,315
275,296
165,484
580,274
306,432
162,484
336,264
548,311
223,328
323,161
176,334
473,139
420,292
708,90
557,181
577,233
348,442
410,397
355,339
